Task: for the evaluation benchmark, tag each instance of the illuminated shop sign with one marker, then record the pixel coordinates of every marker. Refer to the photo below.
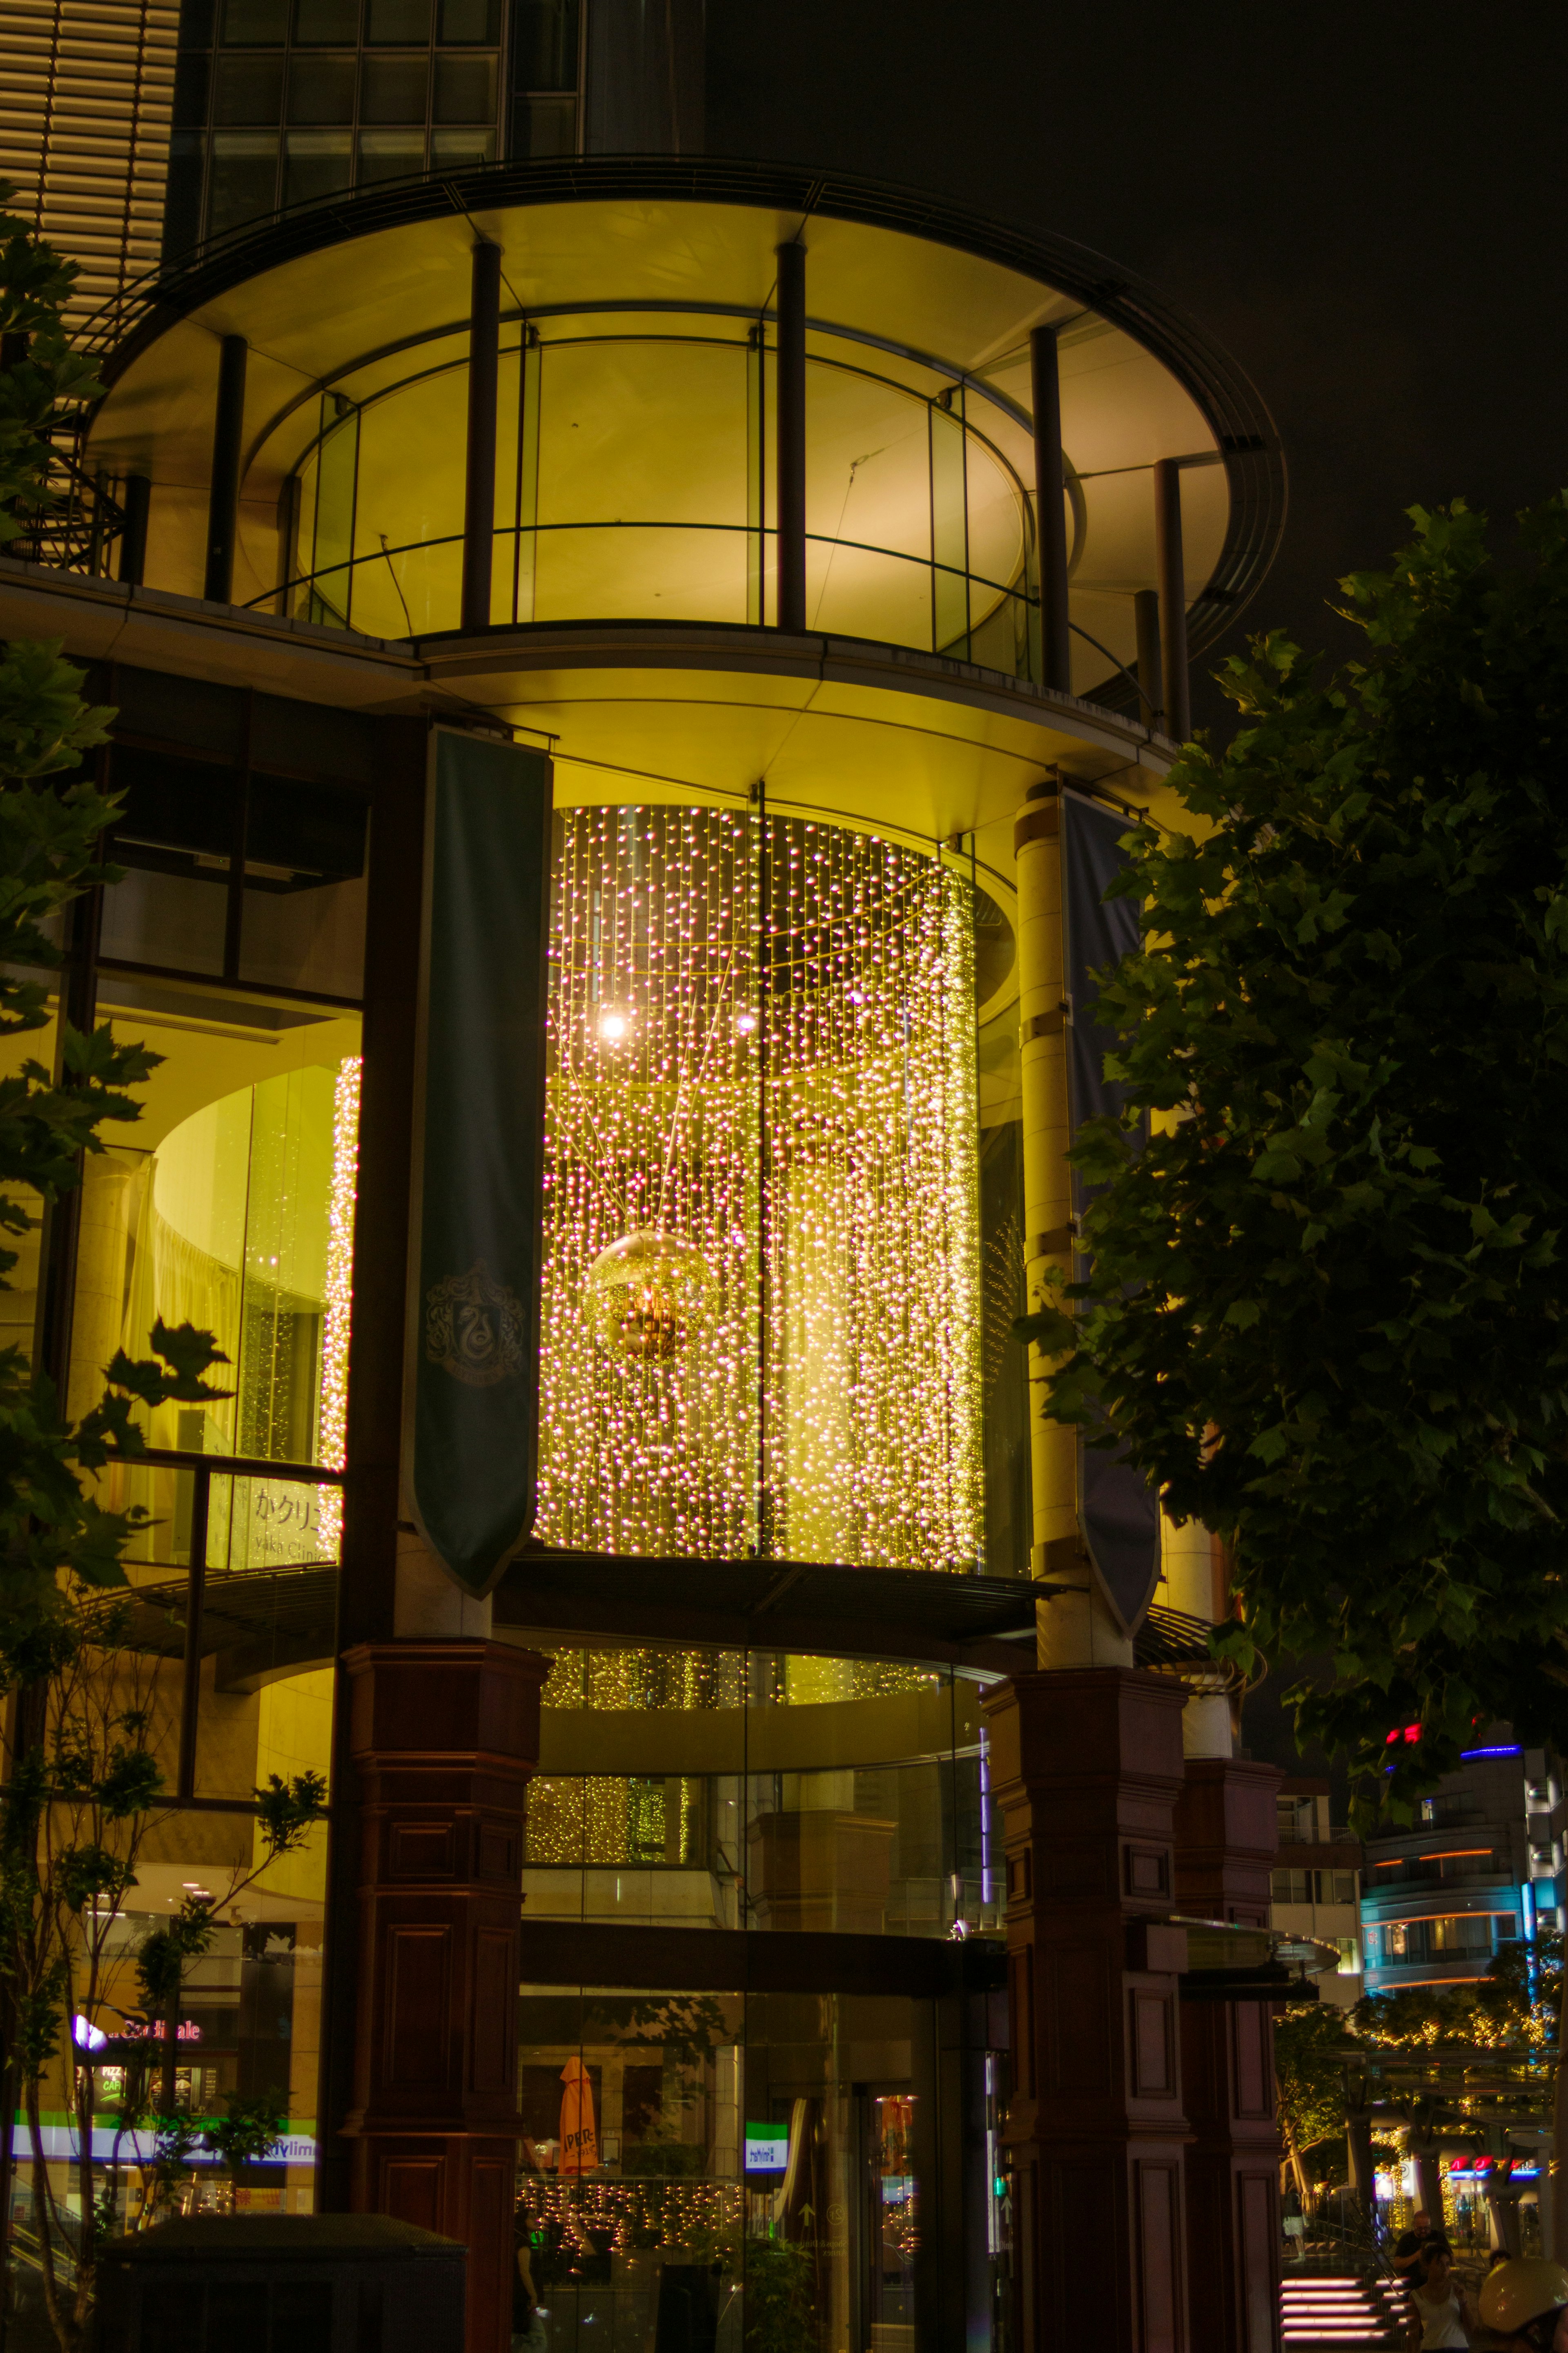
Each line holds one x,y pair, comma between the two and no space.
88,2037
767,2148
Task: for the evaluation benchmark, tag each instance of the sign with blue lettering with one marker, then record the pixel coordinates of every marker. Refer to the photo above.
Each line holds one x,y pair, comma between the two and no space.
767,2148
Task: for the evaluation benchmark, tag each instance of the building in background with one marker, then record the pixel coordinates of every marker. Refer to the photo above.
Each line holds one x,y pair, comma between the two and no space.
1316,1883
1482,1866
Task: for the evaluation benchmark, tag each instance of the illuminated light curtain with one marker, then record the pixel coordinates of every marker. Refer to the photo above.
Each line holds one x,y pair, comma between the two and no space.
761,1114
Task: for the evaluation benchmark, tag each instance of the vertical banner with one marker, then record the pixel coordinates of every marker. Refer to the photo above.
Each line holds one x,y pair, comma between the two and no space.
1118,1511
479,1154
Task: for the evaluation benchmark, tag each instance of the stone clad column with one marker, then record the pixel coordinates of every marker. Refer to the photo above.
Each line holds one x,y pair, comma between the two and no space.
1087,1767
443,1735
1227,1834
1076,1629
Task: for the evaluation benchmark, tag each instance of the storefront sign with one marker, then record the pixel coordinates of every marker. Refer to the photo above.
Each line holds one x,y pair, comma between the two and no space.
474,1339
1117,1509
767,2148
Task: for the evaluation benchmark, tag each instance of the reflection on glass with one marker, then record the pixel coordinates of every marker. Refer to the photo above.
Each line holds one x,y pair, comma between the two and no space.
718,2169
718,1789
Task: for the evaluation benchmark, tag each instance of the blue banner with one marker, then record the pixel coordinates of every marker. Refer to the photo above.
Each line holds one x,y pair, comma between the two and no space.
1117,1512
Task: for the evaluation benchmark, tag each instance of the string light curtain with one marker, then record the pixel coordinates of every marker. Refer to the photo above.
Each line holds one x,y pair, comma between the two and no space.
760,1300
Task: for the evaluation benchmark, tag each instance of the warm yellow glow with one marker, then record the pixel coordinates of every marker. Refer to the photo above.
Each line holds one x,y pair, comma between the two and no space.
338,1315
761,1312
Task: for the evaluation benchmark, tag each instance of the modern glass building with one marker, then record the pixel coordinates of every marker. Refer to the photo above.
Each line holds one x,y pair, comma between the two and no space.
396,457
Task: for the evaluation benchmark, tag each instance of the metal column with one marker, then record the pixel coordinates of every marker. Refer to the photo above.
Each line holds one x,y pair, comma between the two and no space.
223,502
791,589
1173,597
137,502
480,498
1055,642
1146,620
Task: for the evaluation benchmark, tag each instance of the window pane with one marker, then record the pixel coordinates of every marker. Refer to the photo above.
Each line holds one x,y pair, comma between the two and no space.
192,77
251,24
465,89
326,20
321,89
177,921
390,154
319,163
250,89
544,126
304,905
476,21
544,33
230,1213
397,23
394,90
183,198
244,181
454,148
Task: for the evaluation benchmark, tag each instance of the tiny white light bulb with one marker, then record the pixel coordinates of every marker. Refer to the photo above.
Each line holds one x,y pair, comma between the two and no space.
612,1026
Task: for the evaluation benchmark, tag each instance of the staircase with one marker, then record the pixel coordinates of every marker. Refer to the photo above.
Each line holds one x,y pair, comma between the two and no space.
1335,2309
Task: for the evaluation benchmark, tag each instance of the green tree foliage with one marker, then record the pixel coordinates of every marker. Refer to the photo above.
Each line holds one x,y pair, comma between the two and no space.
75,1802
35,285
1328,1308
1311,2044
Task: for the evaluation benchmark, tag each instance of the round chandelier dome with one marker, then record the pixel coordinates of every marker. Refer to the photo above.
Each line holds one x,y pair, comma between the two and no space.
646,1295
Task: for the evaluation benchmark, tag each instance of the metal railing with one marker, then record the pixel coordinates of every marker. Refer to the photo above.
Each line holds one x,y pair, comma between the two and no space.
203,1468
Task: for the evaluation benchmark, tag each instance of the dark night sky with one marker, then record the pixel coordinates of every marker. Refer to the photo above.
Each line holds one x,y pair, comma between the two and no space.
1367,204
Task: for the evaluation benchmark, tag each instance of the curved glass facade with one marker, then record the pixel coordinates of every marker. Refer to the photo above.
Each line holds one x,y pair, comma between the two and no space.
762,1315
708,1788
634,458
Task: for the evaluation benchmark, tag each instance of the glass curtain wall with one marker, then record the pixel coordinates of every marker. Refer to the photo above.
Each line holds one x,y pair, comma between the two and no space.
280,102
722,2169
634,474
234,952
704,1788
761,1308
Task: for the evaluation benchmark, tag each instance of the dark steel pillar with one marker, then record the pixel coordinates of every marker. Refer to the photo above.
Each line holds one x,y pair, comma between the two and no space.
1087,1767
1227,1831
222,501
1056,644
1172,598
137,503
1146,618
791,589
480,500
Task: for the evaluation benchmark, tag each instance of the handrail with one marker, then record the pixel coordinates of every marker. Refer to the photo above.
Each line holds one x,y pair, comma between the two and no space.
204,1468
521,530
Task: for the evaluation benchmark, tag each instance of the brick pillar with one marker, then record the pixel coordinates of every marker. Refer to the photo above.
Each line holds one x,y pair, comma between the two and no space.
1087,1765
1228,1832
443,1736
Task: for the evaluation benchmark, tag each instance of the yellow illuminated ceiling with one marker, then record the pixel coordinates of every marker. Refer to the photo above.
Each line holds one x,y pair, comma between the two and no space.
370,310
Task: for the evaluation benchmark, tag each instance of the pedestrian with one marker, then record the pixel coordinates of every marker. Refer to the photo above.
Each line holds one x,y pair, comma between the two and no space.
1440,2313
1524,2302
1408,2247
528,2332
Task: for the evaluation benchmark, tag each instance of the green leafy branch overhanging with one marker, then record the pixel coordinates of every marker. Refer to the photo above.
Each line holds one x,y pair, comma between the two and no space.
1327,1307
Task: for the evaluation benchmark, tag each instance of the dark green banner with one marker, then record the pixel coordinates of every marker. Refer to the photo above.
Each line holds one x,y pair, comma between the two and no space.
479,1156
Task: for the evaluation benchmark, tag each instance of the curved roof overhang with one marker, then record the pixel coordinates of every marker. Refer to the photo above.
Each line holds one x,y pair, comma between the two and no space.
328,290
